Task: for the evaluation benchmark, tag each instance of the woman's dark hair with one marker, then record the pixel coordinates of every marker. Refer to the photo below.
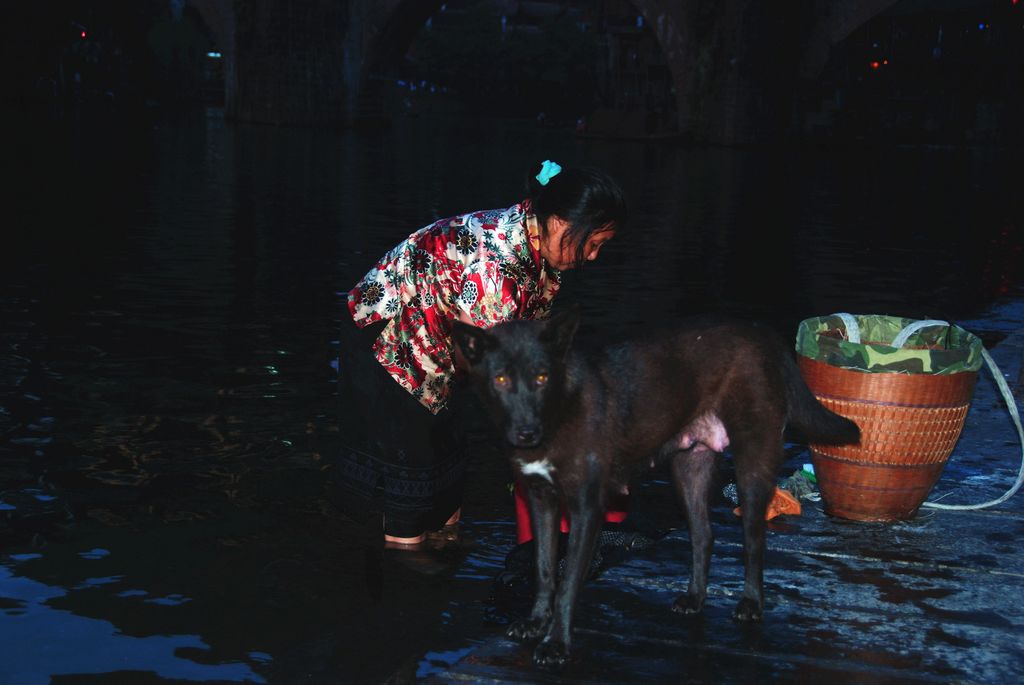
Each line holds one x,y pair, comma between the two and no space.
588,199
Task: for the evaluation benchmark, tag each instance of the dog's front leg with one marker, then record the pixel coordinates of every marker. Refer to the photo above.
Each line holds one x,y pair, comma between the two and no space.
543,501
587,509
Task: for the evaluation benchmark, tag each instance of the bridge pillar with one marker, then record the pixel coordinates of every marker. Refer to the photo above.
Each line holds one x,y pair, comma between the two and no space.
288,63
736,64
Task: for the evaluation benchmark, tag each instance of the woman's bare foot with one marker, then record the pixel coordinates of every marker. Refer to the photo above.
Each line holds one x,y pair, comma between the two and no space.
395,540
454,518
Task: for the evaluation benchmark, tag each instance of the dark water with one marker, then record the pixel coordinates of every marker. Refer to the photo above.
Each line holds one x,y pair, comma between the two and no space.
170,303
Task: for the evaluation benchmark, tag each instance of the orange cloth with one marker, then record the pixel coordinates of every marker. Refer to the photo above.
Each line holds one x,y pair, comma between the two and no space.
782,503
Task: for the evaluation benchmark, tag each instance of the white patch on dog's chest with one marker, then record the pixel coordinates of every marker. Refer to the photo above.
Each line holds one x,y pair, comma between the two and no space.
542,468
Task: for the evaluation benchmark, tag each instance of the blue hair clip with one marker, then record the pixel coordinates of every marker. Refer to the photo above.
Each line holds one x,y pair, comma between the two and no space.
548,170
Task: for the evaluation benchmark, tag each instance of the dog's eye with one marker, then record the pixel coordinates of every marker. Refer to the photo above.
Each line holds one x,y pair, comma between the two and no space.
501,380
540,379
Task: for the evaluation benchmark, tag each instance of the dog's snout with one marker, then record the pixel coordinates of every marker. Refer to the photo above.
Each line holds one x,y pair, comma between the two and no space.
526,436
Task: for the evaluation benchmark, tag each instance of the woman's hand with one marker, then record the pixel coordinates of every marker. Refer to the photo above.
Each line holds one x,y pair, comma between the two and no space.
463,316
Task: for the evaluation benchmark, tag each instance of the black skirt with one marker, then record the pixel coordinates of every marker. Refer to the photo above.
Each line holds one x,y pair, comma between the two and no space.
396,456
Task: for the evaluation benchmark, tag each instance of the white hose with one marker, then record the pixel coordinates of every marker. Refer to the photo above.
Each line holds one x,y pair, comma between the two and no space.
852,327
903,336
1011,405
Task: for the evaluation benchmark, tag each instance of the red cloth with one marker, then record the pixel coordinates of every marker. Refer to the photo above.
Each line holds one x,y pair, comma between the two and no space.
618,510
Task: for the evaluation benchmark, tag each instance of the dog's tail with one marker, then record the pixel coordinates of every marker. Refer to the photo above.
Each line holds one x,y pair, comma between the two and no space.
816,422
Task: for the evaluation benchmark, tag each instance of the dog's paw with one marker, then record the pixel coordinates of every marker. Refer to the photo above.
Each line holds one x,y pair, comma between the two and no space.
527,629
747,611
688,605
551,654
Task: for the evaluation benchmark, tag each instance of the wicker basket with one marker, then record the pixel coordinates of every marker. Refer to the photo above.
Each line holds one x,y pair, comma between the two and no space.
909,424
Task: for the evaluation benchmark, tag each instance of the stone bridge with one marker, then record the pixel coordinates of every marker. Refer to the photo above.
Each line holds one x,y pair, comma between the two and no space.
736,64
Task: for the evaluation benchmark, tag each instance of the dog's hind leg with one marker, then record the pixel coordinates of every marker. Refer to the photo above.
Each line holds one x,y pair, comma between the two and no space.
756,462
544,511
586,508
693,476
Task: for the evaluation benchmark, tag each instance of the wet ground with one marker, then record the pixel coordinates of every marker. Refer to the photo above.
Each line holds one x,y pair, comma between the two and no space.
929,600
169,303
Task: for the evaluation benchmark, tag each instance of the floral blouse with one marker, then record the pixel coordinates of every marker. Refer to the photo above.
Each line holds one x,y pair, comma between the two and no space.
486,264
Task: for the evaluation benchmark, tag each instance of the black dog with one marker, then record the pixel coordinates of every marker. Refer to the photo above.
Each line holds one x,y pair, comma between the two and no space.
580,428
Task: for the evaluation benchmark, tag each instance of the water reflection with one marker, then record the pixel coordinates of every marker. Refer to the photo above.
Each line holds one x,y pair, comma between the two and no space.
169,318
79,645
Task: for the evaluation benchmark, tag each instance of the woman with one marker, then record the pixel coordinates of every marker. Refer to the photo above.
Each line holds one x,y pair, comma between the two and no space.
405,451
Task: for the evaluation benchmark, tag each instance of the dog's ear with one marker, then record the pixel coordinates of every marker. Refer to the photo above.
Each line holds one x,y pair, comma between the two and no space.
474,342
560,329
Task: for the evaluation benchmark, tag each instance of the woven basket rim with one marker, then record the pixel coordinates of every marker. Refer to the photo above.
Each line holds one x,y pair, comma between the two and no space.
894,389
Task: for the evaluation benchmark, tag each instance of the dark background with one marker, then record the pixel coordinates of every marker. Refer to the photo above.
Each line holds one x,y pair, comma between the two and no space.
174,269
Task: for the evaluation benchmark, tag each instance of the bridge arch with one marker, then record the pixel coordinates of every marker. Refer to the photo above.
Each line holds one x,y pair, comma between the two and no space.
834,25
392,26
732,63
